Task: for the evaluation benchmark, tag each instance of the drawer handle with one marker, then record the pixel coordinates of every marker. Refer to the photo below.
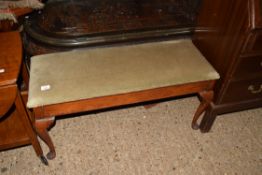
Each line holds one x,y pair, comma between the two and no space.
253,90
2,70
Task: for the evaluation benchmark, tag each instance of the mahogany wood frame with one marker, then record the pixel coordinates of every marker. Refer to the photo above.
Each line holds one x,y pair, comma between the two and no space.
44,116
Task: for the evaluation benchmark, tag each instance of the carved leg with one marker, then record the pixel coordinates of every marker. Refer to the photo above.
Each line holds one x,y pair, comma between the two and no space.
41,126
206,99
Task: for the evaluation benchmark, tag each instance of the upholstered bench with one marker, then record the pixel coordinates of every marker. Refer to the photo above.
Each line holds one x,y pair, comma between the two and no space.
90,79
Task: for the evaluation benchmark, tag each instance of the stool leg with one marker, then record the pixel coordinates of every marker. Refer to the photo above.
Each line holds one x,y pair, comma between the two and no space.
42,126
28,125
206,99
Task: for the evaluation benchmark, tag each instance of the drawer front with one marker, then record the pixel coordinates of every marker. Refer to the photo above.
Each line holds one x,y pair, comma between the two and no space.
254,43
248,67
243,90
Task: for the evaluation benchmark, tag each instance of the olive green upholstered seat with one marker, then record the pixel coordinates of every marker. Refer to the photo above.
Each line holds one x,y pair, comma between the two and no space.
89,73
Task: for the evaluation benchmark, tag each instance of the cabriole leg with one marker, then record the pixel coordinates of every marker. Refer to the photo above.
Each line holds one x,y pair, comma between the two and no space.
42,126
206,99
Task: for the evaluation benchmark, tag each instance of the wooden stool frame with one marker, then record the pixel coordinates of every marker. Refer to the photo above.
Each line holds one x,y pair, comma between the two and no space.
44,116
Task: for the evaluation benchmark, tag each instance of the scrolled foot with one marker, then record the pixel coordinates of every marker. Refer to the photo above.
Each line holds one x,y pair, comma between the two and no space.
51,155
195,126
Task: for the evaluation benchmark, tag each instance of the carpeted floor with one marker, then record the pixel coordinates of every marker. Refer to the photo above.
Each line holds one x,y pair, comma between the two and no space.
154,141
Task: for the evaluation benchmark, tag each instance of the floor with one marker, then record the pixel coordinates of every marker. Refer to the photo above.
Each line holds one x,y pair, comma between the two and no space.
154,141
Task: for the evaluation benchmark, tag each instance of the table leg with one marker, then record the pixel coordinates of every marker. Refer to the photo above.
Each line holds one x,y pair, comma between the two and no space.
208,119
28,126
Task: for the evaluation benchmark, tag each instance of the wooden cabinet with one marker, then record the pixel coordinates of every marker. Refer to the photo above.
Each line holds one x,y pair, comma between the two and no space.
15,125
229,34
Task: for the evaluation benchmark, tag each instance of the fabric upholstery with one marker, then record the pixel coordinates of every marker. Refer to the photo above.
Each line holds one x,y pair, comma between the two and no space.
89,73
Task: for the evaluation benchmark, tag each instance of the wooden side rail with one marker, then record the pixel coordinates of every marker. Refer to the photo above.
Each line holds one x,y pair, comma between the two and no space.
77,81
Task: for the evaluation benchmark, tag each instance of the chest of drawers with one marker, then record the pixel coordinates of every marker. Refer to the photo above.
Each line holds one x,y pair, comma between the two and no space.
230,36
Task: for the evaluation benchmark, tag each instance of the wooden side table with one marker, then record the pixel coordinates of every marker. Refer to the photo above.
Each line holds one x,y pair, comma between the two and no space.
15,124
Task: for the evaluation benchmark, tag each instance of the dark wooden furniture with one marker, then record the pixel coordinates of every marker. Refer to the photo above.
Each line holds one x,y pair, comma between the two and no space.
15,124
230,36
66,24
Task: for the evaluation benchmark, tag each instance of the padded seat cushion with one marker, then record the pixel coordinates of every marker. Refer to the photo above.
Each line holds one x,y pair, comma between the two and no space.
89,73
